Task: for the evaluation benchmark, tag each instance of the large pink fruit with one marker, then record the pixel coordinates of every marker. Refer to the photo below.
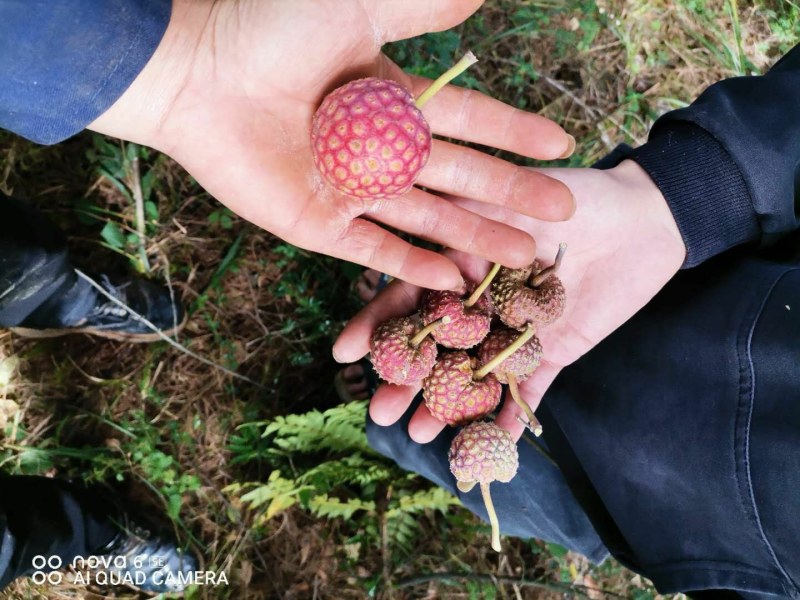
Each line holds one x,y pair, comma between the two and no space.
453,396
468,325
482,452
393,355
369,139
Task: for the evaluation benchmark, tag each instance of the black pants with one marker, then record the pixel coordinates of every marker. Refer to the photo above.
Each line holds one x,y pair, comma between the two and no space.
49,518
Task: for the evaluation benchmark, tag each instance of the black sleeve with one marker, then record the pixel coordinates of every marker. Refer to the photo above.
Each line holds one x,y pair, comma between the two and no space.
729,164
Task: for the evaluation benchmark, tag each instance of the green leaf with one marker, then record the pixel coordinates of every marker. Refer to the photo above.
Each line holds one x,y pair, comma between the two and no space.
113,235
556,551
147,184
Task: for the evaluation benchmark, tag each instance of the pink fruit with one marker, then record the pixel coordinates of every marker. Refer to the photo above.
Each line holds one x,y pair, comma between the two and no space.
468,324
521,364
512,357
481,453
395,358
369,139
453,396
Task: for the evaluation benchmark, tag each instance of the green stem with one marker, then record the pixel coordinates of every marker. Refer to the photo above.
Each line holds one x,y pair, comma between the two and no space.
540,278
465,63
533,423
487,500
482,287
509,350
423,333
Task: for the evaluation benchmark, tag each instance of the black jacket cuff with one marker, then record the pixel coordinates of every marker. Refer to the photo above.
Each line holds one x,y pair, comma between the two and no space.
704,188
702,185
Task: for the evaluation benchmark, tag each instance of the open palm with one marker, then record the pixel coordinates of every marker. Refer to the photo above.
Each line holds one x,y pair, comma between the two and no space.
623,247
231,92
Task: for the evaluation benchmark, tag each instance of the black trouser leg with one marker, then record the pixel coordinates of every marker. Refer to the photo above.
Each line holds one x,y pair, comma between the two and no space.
36,275
49,518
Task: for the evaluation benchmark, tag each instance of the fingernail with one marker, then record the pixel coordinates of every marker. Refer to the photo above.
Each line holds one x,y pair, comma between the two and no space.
336,358
570,148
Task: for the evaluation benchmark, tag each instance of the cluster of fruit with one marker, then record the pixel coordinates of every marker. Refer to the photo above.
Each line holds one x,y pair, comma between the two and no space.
461,387
370,141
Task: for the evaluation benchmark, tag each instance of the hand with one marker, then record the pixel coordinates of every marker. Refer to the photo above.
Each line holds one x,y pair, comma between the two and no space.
230,94
623,247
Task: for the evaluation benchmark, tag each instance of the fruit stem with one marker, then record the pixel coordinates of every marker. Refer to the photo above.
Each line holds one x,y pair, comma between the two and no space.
533,423
465,486
544,274
504,354
457,69
487,500
423,333
482,287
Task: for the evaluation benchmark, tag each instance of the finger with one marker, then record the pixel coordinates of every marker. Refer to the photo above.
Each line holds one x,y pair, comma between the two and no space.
390,402
466,172
515,427
424,427
370,245
532,391
401,19
397,298
474,117
432,218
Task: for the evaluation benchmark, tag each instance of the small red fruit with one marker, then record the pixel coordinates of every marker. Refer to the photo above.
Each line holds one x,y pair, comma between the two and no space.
512,357
369,139
468,324
454,396
395,356
482,453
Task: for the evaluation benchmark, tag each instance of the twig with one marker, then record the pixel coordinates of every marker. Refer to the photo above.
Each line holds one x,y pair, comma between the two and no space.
138,198
162,335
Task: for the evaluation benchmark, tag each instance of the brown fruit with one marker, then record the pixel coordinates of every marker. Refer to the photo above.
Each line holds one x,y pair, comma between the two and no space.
531,295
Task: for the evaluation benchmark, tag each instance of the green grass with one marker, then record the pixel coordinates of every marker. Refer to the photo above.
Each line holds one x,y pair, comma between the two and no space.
275,483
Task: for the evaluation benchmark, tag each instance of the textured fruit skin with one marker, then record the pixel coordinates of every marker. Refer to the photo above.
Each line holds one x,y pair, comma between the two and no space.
393,356
521,364
453,397
468,326
483,452
517,304
369,139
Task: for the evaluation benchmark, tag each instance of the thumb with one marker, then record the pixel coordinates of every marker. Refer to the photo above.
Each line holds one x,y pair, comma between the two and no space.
401,19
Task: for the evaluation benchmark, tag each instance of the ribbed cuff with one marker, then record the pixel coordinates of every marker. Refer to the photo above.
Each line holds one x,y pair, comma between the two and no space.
704,189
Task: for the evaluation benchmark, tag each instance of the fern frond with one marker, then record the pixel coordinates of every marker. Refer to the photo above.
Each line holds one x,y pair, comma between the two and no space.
354,469
326,506
279,493
341,428
435,498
